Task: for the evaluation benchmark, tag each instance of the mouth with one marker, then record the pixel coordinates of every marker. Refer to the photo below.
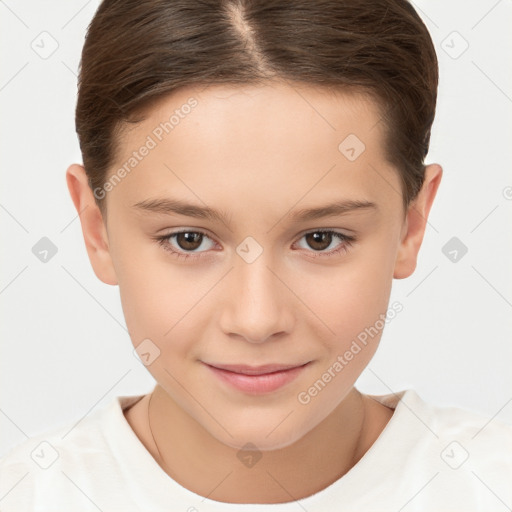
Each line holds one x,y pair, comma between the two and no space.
256,379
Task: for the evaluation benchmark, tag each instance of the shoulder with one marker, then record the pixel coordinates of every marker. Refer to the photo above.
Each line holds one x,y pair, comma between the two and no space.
462,454
454,421
446,421
51,467
65,440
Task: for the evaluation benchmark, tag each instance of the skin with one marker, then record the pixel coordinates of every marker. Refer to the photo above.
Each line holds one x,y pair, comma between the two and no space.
259,154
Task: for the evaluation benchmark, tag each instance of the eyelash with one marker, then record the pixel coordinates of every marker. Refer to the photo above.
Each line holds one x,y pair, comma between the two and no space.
347,240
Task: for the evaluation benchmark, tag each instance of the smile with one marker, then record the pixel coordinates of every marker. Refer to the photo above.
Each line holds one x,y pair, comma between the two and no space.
256,380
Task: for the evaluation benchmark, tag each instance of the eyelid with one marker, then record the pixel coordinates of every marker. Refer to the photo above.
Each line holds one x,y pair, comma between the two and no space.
189,230
345,239
341,231
346,242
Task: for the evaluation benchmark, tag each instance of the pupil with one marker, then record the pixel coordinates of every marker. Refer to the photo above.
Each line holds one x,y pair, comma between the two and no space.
320,237
190,240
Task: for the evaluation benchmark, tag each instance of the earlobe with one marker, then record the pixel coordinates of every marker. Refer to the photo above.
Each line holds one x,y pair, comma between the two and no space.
93,226
416,222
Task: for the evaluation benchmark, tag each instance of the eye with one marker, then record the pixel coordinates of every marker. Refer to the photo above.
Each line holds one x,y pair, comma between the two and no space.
321,239
187,241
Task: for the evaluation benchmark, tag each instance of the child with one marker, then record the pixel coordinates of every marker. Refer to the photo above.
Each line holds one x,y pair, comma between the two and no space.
224,144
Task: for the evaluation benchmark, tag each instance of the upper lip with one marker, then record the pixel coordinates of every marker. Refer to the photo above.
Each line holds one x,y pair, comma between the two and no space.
255,370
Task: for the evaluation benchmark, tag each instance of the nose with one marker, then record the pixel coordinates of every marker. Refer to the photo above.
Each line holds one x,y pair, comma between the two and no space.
257,305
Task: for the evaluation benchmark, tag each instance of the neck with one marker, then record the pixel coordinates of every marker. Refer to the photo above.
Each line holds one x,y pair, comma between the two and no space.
191,456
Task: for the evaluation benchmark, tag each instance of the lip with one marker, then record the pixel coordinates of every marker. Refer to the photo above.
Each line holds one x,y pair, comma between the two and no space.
257,379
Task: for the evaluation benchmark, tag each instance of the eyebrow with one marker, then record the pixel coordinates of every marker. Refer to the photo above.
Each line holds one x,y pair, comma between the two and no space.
169,206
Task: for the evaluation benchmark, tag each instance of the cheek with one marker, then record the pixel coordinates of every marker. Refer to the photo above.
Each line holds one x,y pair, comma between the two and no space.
167,304
148,303
353,304
350,300
348,297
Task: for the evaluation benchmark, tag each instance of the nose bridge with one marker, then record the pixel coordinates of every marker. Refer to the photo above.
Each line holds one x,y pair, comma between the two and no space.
256,305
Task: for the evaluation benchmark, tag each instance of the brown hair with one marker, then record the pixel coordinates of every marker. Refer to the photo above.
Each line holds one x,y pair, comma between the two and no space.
137,51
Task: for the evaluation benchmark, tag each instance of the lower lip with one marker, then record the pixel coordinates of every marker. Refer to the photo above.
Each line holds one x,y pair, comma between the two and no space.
258,384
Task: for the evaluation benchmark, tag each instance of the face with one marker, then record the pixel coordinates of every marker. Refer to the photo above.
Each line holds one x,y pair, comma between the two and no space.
252,231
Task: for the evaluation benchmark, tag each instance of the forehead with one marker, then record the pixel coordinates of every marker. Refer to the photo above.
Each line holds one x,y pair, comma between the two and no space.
263,111
257,140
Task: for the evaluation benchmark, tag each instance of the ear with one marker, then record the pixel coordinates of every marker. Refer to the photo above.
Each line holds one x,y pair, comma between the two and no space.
93,227
416,222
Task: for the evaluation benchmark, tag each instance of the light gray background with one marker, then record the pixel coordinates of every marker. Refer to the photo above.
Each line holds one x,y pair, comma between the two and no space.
65,350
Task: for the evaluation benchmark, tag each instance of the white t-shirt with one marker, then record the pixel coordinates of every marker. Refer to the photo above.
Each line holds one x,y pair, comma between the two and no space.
427,458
